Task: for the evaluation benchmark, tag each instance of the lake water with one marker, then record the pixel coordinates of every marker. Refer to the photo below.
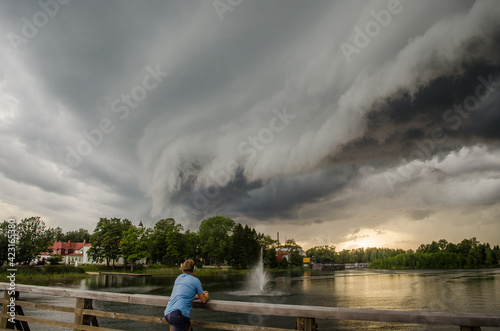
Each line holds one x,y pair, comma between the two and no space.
457,291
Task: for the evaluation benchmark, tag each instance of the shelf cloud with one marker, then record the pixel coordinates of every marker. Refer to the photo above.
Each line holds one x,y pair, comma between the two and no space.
319,120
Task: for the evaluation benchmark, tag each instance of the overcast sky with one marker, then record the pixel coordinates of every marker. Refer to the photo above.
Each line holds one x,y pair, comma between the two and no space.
331,122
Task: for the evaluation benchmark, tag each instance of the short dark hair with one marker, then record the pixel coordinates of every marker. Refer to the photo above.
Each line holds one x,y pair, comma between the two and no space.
188,266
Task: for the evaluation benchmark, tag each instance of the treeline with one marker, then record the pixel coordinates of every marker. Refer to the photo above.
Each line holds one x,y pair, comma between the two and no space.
328,254
219,240
469,253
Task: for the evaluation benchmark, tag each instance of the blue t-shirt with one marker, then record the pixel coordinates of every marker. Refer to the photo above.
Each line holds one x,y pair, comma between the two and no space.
186,287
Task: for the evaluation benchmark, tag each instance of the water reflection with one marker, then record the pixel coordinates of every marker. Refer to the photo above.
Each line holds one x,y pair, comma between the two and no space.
459,291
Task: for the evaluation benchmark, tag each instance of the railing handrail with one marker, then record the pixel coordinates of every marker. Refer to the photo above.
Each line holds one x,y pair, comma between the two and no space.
320,312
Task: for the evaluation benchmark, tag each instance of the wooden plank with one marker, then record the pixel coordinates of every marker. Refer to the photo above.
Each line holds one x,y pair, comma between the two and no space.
306,324
131,317
62,324
5,301
238,327
44,306
80,305
151,300
392,316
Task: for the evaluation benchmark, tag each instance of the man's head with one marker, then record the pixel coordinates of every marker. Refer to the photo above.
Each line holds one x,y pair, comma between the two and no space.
188,266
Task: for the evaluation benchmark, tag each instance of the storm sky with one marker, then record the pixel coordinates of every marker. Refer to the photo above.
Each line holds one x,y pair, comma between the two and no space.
331,122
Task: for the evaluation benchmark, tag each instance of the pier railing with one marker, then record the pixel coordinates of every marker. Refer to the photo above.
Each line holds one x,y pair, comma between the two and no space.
86,318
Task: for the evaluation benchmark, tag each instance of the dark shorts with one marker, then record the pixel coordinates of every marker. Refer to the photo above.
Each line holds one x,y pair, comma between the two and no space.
178,321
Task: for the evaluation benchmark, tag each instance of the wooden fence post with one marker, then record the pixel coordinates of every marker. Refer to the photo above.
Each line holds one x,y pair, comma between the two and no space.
5,310
18,311
306,324
80,305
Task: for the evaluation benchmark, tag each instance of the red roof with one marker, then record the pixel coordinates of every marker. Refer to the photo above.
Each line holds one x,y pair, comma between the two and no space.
67,245
65,248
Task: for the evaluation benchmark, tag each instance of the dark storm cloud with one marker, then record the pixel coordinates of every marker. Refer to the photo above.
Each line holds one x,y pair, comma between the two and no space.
258,115
282,197
436,120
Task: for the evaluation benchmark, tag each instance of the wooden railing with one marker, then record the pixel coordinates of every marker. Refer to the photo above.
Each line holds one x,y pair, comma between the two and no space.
85,318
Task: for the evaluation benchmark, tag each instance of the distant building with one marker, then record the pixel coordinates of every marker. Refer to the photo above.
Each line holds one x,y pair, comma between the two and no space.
72,253
283,252
76,253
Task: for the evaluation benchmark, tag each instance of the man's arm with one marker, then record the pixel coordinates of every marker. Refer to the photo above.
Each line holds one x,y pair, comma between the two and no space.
203,296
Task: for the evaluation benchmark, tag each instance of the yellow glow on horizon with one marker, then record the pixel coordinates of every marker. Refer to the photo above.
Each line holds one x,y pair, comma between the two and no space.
366,238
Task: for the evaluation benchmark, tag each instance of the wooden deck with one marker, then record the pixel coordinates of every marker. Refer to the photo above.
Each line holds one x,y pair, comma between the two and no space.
87,319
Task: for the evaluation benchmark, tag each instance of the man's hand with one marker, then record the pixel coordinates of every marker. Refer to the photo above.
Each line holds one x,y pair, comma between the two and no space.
203,297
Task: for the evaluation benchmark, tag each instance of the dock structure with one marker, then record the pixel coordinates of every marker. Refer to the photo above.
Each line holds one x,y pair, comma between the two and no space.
86,318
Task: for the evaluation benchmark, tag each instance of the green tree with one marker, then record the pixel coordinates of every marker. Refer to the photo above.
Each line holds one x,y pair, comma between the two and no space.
190,246
165,241
106,239
4,242
269,246
55,259
33,239
55,234
215,237
323,254
78,236
295,253
270,258
496,254
134,245
245,247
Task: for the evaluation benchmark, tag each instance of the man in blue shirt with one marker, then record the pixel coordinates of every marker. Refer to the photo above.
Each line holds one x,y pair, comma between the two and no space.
186,288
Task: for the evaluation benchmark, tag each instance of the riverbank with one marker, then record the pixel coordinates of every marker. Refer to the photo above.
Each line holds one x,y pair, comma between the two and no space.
63,274
35,275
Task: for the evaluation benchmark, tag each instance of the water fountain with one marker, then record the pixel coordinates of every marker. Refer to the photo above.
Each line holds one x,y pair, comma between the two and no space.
258,278
258,283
